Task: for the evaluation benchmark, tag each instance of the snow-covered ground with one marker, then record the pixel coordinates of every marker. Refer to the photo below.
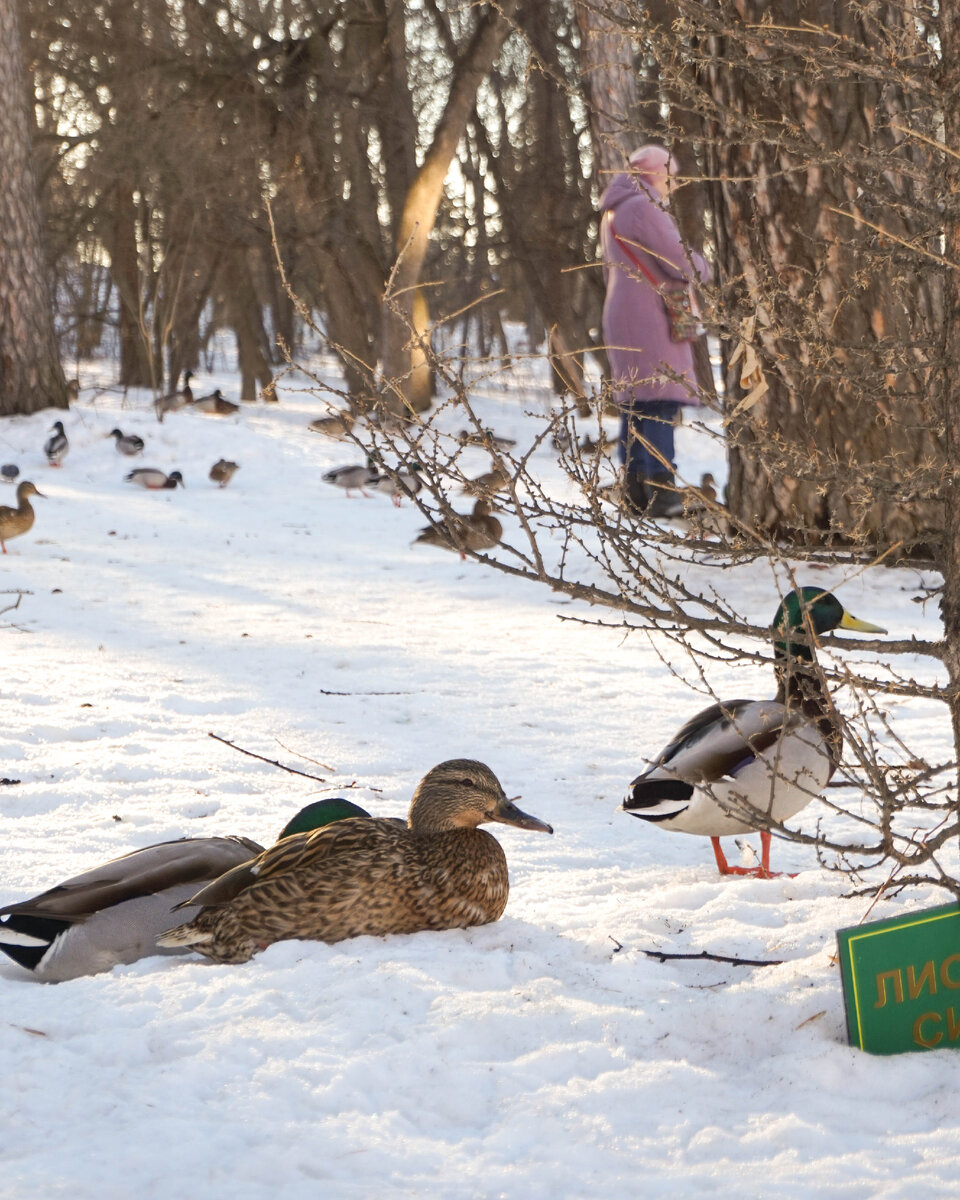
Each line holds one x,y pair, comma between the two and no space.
545,1056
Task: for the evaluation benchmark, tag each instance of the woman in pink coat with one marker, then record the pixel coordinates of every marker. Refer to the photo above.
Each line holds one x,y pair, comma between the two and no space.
652,375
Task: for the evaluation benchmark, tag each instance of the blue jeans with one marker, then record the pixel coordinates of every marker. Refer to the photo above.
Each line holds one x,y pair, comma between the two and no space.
646,437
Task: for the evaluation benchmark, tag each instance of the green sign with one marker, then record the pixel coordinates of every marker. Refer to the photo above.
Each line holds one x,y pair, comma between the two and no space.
901,981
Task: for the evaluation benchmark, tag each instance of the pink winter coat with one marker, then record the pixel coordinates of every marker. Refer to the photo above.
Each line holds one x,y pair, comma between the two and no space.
636,332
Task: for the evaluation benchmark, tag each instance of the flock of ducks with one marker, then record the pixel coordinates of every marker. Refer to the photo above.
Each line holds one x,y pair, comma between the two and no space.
19,520
337,872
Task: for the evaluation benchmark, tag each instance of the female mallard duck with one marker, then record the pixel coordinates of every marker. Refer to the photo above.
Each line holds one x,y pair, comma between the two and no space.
175,399
370,876
114,913
215,403
154,479
56,447
741,764
337,425
476,531
127,443
353,477
14,521
497,479
223,470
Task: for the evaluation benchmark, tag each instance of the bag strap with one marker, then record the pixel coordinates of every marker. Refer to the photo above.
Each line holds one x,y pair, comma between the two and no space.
657,283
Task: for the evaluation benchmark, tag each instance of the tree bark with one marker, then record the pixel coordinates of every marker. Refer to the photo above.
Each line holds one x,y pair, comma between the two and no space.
246,318
31,377
843,445
949,30
607,55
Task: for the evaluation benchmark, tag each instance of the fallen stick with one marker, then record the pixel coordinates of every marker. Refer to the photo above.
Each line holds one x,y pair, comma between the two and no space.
272,761
293,770
720,958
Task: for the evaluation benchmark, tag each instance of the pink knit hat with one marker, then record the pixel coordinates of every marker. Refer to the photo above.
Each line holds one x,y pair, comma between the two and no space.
652,159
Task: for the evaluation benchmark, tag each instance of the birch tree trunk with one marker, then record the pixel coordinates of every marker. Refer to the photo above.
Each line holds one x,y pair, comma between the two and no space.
31,377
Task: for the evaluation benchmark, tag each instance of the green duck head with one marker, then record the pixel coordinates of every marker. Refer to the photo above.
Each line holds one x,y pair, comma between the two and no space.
320,813
826,613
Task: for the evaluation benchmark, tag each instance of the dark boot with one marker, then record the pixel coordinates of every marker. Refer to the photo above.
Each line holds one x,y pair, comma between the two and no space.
635,494
665,500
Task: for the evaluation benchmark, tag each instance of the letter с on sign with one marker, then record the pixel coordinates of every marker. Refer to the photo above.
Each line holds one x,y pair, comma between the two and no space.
901,981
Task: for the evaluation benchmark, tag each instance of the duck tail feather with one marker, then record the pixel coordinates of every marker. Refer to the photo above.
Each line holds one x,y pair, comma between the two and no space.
184,935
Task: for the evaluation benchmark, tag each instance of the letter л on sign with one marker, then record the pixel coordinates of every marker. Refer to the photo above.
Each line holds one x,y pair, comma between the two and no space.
901,981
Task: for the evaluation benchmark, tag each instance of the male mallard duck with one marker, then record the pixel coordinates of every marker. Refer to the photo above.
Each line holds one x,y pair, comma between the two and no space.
353,477
369,876
334,426
393,485
127,443
9,472
56,447
740,763
114,913
223,470
175,399
155,480
14,521
215,403
475,531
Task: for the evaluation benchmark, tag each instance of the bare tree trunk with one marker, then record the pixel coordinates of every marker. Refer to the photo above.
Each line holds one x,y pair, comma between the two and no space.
408,372
31,377
949,29
843,443
607,55
246,317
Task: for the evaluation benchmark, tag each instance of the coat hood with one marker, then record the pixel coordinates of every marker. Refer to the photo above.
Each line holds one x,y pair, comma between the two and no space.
621,188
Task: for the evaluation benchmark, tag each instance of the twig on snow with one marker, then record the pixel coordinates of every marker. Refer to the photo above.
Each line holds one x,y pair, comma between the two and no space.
720,958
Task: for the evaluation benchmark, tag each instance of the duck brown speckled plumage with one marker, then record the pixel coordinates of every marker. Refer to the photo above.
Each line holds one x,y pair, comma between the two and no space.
370,875
476,531
114,913
14,521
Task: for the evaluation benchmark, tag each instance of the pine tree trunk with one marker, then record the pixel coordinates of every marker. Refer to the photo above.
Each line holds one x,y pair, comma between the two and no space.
844,443
949,29
31,377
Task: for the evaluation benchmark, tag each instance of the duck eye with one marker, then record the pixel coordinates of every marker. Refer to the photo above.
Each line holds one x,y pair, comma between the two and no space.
467,782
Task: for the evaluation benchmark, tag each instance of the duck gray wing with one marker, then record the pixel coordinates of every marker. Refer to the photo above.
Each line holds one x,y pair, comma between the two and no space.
716,741
715,744
113,913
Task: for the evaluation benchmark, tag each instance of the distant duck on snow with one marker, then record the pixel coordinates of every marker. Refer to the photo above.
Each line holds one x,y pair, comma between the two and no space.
57,446
150,477
15,521
353,478
175,399
223,471
216,404
127,443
